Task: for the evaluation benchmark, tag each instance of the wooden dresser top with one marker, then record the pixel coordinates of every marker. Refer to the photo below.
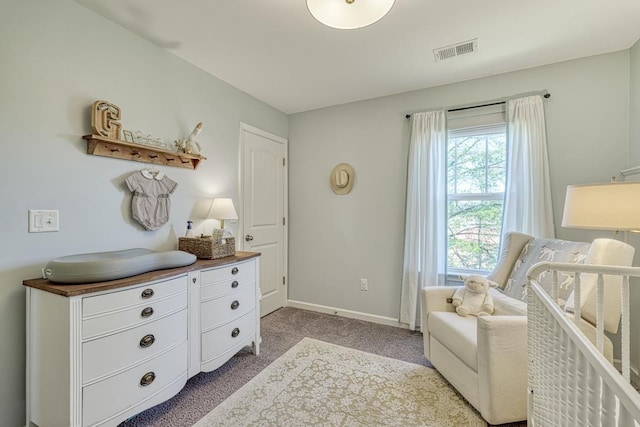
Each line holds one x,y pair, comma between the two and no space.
70,290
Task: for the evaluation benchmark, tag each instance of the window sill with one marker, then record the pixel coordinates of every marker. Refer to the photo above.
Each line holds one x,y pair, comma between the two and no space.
453,278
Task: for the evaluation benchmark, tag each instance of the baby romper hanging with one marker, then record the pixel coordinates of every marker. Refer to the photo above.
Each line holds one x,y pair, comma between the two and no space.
150,205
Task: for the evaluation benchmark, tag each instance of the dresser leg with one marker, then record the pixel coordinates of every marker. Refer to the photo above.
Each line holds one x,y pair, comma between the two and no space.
255,346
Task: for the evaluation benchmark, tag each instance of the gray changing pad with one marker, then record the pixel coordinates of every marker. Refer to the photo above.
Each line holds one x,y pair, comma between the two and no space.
101,266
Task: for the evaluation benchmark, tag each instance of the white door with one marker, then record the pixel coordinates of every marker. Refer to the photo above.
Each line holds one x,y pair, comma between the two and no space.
264,207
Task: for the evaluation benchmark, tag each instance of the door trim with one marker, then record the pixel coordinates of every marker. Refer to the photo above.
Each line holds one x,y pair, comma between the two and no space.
245,127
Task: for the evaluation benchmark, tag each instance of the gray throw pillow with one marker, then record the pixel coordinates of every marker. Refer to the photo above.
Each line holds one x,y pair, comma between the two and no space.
538,250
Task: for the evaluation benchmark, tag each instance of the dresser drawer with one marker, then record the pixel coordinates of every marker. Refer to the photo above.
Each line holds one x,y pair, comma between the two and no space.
223,338
226,286
113,301
118,351
104,324
214,275
115,394
217,311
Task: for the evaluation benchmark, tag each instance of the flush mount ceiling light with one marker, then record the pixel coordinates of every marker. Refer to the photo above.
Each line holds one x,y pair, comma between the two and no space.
349,14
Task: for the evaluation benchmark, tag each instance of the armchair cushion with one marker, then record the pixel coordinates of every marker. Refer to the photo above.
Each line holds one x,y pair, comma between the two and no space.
457,334
537,250
507,306
510,248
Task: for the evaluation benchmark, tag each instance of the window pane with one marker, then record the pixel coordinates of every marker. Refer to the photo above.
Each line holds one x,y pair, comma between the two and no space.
474,234
496,162
476,178
466,168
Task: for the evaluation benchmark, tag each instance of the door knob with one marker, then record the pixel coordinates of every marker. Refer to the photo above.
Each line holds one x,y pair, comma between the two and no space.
248,237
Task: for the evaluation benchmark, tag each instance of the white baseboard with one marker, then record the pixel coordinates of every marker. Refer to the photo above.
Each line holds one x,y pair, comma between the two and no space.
374,318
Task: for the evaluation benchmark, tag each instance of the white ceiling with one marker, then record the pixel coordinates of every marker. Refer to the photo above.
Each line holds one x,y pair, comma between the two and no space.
277,52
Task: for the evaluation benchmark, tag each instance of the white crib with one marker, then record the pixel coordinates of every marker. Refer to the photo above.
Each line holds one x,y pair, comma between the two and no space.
570,382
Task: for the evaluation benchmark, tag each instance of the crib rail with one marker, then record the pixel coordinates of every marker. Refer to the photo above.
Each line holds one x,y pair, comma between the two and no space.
571,383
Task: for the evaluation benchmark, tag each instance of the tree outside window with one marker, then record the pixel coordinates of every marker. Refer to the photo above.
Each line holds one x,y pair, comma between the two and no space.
476,171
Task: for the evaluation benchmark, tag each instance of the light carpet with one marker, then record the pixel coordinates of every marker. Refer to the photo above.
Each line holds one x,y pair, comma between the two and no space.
320,384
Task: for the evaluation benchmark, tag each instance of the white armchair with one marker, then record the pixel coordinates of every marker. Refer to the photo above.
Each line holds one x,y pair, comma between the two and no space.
485,358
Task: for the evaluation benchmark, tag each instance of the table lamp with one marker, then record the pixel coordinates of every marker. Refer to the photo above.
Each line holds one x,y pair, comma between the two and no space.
221,209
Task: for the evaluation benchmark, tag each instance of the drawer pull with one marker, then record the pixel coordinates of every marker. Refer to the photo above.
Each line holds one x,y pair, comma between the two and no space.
147,340
147,293
235,270
147,312
234,284
235,305
235,332
194,280
147,379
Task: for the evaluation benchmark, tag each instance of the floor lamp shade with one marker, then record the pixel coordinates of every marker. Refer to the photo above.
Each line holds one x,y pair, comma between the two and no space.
610,206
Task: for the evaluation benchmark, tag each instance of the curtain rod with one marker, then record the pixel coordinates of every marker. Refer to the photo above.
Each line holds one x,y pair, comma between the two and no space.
544,93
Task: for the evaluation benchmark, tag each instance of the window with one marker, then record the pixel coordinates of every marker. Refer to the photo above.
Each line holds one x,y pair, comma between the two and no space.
476,173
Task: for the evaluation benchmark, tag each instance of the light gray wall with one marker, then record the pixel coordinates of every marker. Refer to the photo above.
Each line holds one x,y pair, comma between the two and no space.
634,160
634,106
56,58
335,240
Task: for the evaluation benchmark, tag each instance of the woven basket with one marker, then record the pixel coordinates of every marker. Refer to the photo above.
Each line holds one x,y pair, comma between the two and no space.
207,248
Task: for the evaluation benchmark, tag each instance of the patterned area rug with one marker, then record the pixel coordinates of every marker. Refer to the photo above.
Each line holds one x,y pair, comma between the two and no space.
321,384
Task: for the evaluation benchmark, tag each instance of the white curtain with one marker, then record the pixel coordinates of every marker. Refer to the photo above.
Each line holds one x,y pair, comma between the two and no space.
527,207
426,210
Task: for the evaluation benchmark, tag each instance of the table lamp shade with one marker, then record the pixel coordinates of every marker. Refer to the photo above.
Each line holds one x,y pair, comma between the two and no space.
610,206
222,208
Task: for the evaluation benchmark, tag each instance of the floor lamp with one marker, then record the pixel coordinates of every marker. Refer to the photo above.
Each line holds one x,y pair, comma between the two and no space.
611,206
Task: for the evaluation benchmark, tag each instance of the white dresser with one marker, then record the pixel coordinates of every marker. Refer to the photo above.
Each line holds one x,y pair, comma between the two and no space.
228,307
100,353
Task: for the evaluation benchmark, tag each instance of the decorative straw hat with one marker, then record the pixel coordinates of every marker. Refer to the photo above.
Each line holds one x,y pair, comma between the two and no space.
342,177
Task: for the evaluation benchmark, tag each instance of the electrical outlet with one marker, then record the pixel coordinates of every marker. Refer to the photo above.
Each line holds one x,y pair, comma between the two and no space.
364,285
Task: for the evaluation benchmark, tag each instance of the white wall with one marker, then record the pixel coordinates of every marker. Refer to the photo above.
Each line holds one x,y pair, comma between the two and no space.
335,240
56,58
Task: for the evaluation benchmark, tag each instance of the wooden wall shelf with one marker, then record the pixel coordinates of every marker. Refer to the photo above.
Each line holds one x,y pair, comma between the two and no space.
107,147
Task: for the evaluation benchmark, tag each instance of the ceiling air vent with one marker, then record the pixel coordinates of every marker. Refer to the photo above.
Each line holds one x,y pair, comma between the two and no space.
455,50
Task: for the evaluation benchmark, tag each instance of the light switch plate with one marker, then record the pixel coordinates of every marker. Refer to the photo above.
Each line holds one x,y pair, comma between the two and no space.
41,221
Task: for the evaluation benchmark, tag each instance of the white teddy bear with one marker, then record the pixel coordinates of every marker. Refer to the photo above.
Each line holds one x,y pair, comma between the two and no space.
474,299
